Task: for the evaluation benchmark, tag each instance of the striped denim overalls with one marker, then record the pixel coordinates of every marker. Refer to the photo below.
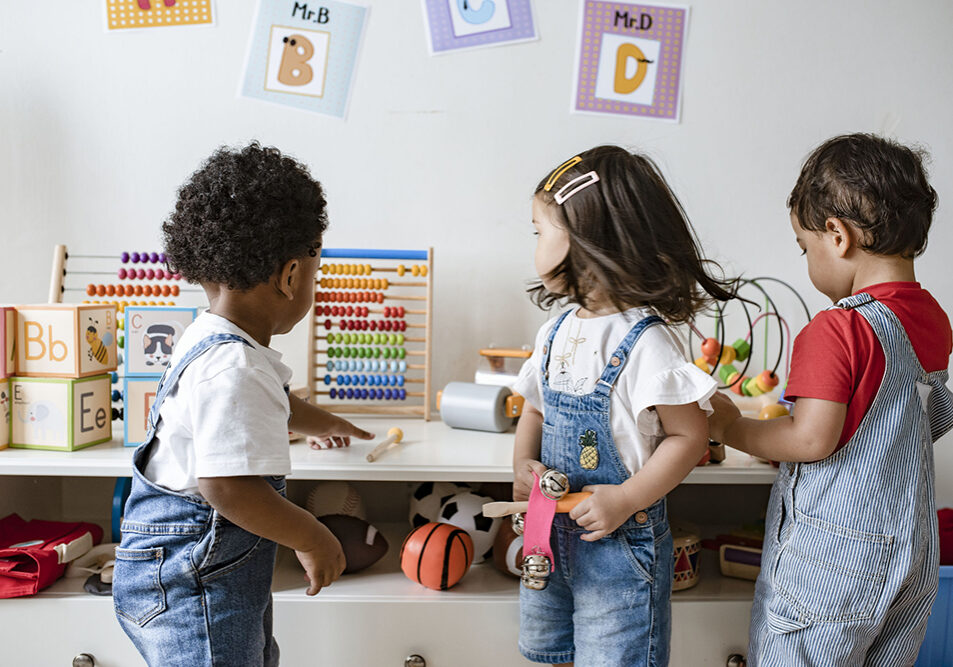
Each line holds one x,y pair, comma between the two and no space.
190,587
850,563
608,602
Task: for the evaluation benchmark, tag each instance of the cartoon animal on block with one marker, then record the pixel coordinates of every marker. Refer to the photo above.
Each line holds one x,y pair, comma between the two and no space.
98,343
157,344
44,418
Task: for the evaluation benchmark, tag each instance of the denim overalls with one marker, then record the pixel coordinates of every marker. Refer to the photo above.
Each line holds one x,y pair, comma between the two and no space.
850,562
191,588
607,602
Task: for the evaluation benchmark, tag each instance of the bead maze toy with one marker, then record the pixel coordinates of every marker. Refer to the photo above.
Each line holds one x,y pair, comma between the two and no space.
371,331
762,393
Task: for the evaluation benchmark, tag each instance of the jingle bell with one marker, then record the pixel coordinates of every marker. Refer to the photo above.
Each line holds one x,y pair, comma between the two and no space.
519,523
536,568
554,484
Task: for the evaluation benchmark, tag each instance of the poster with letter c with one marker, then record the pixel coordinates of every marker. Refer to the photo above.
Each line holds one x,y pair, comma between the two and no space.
629,59
304,54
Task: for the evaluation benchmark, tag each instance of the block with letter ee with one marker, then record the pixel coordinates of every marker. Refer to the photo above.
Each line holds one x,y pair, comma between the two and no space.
62,414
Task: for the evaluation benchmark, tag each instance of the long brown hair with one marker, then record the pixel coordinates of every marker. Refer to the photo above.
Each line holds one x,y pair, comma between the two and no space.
630,238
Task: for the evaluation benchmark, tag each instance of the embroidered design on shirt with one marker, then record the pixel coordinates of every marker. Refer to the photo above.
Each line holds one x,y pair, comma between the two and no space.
589,456
564,380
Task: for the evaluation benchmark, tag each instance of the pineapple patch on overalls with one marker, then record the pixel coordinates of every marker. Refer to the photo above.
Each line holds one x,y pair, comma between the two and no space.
589,456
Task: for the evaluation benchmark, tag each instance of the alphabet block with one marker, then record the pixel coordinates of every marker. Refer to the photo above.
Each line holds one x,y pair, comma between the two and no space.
4,413
150,337
61,414
139,393
66,341
8,337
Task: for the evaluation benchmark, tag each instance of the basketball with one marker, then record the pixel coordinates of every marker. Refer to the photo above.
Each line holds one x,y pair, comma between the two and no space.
436,555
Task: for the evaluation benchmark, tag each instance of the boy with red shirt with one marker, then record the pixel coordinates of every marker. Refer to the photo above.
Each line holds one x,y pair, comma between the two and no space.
850,561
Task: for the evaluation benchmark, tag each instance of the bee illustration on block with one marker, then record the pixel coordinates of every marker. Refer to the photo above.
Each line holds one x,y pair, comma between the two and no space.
98,346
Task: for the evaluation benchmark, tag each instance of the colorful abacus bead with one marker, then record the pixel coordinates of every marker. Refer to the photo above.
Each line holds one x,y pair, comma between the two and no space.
738,384
728,355
710,347
703,364
750,388
766,381
742,349
727,374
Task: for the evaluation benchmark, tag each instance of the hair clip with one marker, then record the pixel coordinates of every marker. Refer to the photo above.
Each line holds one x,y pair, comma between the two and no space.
560,170
583,181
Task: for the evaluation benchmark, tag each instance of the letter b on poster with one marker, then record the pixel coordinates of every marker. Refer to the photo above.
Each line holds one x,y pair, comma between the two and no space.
297,61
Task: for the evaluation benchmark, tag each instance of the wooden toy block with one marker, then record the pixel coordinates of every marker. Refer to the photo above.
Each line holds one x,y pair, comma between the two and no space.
8,337
4,413
139,393
66,341
62,414
150,334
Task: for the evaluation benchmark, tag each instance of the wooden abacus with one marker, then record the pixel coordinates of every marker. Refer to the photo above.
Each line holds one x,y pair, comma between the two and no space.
145,274
364,347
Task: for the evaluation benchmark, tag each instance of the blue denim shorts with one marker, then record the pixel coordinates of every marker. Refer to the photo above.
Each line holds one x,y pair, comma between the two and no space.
607,602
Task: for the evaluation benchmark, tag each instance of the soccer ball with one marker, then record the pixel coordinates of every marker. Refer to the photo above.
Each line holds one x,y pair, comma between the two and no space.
427,498
465,510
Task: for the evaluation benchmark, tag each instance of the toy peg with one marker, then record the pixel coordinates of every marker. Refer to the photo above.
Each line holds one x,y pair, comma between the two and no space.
394,436
504,508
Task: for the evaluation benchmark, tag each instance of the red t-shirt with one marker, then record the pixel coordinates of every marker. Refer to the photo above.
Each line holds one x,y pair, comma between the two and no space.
838,358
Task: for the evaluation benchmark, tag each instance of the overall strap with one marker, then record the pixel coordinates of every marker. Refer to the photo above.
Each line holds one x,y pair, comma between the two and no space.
548,348
171,376
618,358
886,326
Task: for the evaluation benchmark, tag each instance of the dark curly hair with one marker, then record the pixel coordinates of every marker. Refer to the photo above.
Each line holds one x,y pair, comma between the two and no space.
877,185
629,238
242,216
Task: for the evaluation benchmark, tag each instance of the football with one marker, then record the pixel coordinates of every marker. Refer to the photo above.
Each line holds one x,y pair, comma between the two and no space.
427,498
508,550
335,498
362,543
465,510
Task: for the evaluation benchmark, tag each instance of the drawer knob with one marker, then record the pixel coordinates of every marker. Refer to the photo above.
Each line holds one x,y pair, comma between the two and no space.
736,660
414,661
84,660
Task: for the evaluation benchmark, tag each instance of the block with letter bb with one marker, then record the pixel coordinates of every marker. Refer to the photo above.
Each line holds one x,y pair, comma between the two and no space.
66,341
151,334
8,337
139,393
62,414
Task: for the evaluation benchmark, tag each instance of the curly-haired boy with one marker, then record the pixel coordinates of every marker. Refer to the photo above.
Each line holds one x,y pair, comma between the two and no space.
192,583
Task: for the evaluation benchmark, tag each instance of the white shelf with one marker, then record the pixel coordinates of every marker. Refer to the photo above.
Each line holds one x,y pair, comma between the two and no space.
431,451
384,582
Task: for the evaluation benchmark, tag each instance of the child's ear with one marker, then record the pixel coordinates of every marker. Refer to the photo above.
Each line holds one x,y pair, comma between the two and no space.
841,235
288,278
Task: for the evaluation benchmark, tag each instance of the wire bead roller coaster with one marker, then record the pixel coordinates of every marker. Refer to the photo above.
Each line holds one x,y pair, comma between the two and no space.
371,359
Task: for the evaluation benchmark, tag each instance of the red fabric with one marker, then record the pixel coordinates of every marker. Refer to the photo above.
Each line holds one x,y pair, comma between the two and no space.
837,356
945,519
24,570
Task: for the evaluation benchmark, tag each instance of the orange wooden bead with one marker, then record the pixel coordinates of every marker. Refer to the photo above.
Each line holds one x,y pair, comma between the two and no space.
766,381
91,290
773,411
175,290
710,347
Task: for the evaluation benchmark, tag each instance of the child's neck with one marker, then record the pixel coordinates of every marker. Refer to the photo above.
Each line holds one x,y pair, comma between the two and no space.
243,309
598,307
878,269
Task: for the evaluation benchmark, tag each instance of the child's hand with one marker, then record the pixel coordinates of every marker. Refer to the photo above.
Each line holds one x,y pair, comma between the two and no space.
336,431
324,562
523,477
725,414
605,510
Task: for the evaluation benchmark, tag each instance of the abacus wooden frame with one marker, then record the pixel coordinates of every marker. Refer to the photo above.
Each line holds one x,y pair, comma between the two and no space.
313,345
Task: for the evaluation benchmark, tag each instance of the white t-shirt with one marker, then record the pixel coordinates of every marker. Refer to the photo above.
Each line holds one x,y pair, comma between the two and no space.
228,415
655,373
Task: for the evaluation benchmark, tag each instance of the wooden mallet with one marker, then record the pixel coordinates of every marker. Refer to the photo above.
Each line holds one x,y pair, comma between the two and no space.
564,504
394,436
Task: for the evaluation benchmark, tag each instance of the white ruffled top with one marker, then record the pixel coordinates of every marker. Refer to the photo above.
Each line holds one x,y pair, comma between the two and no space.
657,372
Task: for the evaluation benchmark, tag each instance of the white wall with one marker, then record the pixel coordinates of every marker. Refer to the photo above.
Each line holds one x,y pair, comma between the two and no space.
98,130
